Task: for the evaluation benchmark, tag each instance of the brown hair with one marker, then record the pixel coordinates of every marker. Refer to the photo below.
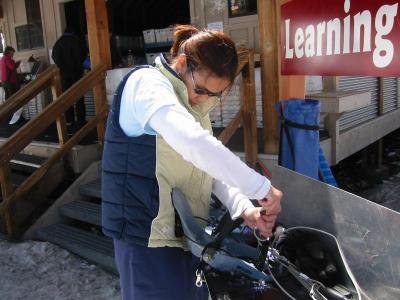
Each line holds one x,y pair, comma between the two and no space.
206,49
9,50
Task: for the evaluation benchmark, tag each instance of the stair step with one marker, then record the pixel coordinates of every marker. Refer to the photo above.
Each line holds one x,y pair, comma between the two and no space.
26,162
95,248
83,211
91,189
17,179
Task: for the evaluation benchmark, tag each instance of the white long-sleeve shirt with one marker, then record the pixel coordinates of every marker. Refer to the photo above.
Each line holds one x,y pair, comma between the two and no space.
150,106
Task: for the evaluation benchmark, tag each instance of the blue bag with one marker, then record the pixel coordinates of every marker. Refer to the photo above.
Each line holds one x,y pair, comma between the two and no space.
299,136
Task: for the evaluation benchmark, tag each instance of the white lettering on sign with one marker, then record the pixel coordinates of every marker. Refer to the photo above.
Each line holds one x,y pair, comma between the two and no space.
309,42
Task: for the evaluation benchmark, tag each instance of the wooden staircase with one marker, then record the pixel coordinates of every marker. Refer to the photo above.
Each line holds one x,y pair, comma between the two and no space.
18,192
21,167
79,229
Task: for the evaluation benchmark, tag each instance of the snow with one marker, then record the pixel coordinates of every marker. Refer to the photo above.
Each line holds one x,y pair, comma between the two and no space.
42,271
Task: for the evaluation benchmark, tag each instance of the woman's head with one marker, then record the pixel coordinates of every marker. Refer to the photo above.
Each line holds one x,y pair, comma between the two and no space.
9,50
207,61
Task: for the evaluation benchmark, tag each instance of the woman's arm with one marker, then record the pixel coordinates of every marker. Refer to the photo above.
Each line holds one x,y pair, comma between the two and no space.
232,198
197,145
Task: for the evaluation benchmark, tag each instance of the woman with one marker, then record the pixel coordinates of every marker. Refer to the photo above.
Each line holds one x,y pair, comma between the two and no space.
8,69
158,138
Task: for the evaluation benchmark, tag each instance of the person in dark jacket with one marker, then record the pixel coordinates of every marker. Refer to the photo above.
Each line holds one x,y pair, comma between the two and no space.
69,53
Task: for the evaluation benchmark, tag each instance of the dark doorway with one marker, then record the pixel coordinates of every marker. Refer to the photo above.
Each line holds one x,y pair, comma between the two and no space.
131,17
75,17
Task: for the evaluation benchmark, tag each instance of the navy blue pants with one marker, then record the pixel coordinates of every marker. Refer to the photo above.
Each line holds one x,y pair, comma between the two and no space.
157,273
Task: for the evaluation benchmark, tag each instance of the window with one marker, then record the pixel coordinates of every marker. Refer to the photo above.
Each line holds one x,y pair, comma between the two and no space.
30,35
239,8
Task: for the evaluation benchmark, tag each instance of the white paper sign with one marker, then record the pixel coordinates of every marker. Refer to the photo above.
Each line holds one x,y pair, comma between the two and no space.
217,26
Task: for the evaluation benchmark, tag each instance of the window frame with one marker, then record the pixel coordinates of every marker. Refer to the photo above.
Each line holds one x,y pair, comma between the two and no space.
27,30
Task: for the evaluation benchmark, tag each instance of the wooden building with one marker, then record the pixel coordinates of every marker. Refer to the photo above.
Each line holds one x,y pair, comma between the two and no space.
33,26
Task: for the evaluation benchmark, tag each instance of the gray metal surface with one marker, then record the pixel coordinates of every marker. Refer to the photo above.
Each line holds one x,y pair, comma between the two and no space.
91,189
26,163
390,101
18,179
89,105
368,233
83,211
95,248
398,92
359,116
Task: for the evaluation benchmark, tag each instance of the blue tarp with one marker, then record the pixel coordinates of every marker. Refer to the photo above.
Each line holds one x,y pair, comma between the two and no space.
299,139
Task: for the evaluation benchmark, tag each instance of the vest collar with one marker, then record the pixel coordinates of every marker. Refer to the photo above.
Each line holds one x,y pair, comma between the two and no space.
181,90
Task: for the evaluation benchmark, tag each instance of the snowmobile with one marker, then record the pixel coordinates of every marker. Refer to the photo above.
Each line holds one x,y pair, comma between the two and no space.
305,259
234,269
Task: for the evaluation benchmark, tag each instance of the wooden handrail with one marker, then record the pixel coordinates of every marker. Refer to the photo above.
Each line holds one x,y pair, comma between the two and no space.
25,135
246,116
243,56
35,177
230,130
20,139
24,95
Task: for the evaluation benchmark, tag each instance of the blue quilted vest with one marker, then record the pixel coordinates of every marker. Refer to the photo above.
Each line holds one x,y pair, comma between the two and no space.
129,185
139,173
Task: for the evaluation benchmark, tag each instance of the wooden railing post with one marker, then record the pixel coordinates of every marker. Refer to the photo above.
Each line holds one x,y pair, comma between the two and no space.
99,91
99,48
269,49
60,121
249,111
6,190
247,115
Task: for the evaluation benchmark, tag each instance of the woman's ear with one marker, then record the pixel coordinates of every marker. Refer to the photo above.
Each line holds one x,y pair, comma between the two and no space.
181,63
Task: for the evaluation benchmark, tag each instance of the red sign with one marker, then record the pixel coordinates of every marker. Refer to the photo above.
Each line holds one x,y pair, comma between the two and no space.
340,37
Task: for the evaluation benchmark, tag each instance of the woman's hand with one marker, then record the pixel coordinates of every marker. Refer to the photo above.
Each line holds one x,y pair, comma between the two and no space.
264,217
272,202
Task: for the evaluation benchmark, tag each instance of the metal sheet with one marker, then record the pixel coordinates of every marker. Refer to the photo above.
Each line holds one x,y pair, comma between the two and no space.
359,116
367,232
389,94
89,105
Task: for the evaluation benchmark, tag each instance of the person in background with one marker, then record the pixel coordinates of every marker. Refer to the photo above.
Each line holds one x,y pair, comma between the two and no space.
159,137
69,54
8,69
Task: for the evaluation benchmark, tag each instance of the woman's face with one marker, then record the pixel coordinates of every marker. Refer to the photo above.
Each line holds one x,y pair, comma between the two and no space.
202,84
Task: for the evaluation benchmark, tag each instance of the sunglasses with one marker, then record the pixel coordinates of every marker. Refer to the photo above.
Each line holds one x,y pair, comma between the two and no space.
202,91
